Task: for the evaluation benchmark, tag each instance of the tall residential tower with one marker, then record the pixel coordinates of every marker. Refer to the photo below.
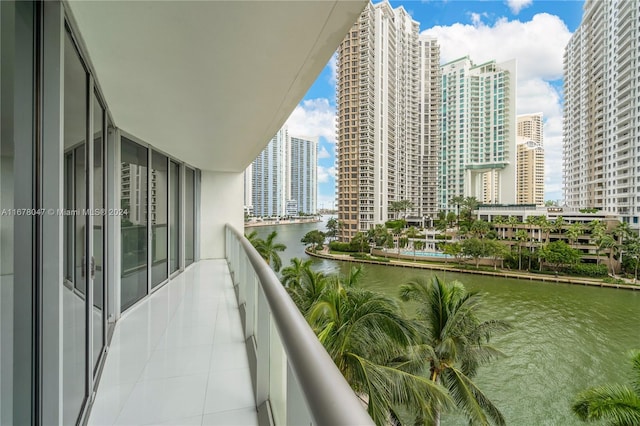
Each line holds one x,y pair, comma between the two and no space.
387,97
283,180
478,132
601,89
530,164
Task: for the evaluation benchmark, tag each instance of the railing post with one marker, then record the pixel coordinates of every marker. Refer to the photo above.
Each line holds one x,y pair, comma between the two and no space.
262,348
243,274
250,307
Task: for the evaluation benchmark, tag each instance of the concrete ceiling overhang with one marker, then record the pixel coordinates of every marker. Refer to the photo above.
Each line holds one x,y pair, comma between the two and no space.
209,82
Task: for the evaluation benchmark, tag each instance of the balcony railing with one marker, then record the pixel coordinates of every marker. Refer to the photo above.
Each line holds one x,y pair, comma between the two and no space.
295,380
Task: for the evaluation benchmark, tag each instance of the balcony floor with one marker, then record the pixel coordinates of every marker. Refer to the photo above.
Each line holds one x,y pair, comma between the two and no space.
179,357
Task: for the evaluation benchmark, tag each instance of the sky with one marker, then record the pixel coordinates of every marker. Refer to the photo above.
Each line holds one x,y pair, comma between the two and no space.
534,32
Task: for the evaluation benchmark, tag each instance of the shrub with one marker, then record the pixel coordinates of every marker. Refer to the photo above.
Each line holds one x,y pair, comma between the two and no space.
587,270
339,246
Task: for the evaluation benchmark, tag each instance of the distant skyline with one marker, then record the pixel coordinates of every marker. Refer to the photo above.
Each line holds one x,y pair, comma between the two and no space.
533,32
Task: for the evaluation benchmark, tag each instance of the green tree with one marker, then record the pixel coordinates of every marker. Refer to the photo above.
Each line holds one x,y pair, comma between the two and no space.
558,253
513,222
479,228
268,250
401,206
417,245
474,248
497,251
573,233
455,345
293,274
315,238
333,228
616,404
521,235
360,243
453,249
368,339
632,252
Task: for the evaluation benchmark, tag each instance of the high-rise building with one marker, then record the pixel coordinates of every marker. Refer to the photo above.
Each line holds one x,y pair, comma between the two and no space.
303,173
530,164
601,137
478,132
387,118
269,184
284,175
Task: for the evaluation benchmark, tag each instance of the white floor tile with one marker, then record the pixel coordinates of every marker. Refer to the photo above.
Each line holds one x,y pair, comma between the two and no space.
109,402
164,400
178,355
242,417
229,390
173,362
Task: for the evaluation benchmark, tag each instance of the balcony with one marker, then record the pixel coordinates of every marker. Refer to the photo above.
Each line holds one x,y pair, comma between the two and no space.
221,347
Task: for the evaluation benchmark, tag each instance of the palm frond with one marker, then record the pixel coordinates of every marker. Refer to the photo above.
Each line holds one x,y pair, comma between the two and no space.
387,387
618,404
471,399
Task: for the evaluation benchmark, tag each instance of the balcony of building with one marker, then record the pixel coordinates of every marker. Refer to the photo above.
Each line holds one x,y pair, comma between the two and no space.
221,347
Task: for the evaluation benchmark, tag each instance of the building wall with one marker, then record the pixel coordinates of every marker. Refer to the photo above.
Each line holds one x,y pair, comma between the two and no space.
478,131
530,164
287,169
601,131
269,185
214,215
385,150
303,173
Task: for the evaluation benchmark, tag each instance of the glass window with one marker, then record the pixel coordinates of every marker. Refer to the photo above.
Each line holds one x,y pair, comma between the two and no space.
159,221
189,214
73,297
174,216
133,201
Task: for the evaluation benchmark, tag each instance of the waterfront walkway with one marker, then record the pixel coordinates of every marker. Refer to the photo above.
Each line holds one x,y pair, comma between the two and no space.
324,254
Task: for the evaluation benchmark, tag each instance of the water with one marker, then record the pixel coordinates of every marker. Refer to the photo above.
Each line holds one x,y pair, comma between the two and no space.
564,338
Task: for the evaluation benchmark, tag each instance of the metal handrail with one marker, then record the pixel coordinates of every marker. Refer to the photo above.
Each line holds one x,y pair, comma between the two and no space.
329,397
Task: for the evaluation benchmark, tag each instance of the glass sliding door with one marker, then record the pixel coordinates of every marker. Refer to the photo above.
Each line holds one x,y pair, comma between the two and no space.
189,215
159,206
74,303
134,232
174,216
99,220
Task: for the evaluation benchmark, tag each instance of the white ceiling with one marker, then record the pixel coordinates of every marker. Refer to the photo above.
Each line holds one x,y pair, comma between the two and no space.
209,82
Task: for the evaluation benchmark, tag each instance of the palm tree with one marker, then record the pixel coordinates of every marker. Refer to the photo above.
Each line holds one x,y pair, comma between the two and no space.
292,275
269,249
575,230
521,235
512,221
617,404
455,344
369,339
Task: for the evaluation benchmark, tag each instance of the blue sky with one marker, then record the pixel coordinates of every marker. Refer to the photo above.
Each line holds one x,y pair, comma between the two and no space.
532,31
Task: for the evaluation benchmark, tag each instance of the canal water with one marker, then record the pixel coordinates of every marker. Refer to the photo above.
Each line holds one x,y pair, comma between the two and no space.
564,338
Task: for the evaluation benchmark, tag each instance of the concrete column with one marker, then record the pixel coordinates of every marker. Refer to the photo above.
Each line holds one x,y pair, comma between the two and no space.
221,201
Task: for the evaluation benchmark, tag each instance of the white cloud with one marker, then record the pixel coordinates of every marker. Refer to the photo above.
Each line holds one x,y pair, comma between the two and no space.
323,153
313,117
476,18
538,46
517,5
326,173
